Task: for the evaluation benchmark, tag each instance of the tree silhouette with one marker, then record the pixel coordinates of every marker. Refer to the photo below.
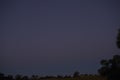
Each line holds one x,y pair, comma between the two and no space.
104,70
18,77
9,77
34,77
25,78
76,74
111,68
118,39
59,76
2,76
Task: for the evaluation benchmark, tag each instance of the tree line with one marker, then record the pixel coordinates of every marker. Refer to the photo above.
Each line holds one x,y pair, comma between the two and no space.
76,75
109,69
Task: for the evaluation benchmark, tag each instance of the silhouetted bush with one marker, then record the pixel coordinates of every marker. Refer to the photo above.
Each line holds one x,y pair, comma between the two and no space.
111,68
25,78
2,76
76,74
59,76
34,77
9,77
18,77
67,76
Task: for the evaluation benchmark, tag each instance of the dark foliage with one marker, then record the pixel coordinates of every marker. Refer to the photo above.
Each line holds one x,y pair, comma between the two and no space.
2,76
18,77
76,74
118,39
111,68
67,76
59,76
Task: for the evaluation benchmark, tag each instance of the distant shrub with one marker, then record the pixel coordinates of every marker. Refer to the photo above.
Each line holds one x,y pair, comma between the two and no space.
76,74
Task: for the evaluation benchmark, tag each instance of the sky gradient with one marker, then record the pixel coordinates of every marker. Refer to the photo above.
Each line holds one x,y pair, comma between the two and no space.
50,37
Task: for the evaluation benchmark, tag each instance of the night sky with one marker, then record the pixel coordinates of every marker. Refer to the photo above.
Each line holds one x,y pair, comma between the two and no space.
51,37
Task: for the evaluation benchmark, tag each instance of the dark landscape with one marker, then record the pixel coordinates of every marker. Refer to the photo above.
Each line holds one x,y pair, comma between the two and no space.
59,39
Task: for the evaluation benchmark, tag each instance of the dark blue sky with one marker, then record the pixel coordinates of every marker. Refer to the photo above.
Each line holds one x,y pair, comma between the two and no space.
50,37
